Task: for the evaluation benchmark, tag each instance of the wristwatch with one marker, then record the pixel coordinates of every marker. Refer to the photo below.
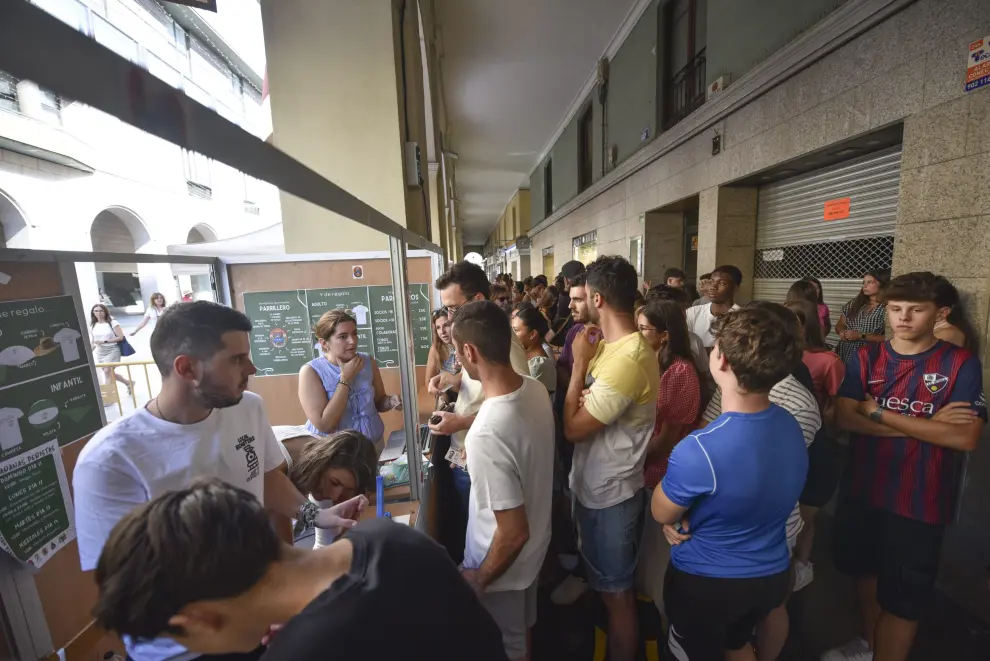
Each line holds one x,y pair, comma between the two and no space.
876,415
305,518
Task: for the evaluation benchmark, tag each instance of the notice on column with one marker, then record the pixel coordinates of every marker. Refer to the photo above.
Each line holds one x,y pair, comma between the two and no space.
385,332
38,337
35,511
281,341
354,299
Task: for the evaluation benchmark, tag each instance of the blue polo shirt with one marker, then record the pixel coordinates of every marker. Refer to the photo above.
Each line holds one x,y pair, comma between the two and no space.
740,478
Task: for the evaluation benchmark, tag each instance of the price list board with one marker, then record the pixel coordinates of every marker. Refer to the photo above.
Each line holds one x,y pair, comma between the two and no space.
282,340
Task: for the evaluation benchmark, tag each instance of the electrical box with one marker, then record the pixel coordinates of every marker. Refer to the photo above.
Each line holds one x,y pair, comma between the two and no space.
414,172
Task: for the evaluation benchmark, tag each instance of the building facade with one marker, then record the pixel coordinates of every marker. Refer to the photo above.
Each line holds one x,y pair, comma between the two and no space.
74,178
820,138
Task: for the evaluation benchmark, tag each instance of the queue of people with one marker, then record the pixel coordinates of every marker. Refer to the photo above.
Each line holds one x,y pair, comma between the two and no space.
689,448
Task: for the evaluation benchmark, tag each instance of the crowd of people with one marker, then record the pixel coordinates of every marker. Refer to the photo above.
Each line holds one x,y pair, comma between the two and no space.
687,441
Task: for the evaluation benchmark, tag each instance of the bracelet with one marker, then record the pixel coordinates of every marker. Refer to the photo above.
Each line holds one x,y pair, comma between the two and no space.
344,382
305,518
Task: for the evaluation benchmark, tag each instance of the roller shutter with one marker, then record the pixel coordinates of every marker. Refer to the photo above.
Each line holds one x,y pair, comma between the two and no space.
793,239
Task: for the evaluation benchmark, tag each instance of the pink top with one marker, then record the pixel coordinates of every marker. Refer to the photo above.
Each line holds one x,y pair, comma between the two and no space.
823,315
678,402
827,371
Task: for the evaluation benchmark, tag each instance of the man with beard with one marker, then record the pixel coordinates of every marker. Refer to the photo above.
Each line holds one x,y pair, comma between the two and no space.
201,425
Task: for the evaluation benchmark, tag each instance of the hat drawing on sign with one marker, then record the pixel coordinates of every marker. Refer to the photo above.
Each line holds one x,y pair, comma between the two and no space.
45,346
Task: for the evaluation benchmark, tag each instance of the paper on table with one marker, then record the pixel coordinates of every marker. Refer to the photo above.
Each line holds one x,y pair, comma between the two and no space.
394,448
404,519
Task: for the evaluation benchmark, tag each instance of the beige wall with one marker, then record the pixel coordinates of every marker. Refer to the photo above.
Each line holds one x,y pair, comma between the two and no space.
663,244
505,233
335,81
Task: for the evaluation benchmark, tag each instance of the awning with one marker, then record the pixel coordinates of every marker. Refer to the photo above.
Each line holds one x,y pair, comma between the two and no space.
267,241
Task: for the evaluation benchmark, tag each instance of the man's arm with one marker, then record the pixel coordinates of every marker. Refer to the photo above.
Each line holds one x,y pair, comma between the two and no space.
944,434
103,495
848,418
664,510
511,535
579,424
281,495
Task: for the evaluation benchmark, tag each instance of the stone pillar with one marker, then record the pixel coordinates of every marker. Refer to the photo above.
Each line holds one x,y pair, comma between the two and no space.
342,105
438,215
727,232
664,244
943,212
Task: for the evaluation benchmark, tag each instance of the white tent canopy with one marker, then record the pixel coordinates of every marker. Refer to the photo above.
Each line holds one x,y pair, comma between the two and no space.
266,241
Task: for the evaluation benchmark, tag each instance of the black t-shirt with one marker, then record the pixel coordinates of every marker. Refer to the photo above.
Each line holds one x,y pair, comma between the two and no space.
403,598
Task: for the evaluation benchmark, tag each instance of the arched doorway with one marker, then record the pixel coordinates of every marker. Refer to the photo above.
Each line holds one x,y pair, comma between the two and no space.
13,224
201,233
119,230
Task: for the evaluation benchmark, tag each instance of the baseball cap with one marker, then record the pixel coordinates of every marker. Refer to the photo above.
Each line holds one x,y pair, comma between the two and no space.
572,269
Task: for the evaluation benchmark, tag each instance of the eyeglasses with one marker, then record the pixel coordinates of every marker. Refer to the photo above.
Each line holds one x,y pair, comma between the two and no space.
501,299
643,329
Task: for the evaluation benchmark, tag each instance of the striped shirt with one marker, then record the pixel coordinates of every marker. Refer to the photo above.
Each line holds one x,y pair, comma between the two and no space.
797,400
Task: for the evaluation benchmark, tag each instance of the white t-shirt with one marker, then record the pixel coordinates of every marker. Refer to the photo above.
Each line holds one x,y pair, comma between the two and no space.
104,331
797,400
139,457
510,448
68,341
10,428
699,322
16,355
470,396
361,314
699,353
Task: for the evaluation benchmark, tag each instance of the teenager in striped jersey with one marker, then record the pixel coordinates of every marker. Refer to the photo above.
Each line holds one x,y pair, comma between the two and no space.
913,405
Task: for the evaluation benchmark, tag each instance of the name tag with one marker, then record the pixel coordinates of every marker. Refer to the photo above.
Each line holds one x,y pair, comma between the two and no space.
457,457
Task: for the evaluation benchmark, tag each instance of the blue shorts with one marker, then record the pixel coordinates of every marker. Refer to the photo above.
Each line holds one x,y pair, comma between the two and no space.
609,542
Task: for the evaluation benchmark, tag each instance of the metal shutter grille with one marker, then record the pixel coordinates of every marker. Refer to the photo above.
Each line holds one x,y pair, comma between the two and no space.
790,211
794,241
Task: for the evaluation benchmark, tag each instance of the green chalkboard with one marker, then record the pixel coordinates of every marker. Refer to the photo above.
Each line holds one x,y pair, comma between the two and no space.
38,337
421,309
354,299
61,407
386,331
34,507
281,339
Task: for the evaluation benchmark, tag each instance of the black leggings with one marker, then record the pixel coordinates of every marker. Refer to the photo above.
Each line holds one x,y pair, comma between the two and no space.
237,656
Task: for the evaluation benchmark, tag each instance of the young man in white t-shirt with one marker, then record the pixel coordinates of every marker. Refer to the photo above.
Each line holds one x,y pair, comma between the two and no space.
463,283
722,287
511,450
201,425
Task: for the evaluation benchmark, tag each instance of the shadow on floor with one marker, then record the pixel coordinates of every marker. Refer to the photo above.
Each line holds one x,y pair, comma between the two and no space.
823,615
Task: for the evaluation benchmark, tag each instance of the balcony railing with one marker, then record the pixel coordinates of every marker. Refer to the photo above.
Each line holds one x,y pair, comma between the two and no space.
686,91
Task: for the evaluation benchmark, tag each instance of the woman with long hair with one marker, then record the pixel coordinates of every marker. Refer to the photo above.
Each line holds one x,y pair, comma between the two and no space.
664,328
827,372
343,389
954,327
107,336
442,357
530,327
331,469
156,308
548,303
864,318
806,290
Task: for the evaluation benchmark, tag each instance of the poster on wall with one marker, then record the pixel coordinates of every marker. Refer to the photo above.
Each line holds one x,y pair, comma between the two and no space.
38,337
281,340
35,510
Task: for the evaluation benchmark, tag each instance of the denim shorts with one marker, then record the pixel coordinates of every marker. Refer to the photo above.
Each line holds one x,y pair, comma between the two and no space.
609,542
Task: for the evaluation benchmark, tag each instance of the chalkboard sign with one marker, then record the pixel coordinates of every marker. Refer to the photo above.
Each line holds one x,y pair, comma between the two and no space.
281,339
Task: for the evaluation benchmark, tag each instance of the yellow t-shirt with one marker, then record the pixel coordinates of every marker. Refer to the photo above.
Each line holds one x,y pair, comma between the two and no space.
623,379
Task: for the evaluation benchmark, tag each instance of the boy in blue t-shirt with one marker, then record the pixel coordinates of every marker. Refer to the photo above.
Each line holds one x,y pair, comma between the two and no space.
736,481
912,406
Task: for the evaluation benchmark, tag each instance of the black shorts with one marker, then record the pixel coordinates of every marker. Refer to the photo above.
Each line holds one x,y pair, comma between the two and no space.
823,472
903,554
711,615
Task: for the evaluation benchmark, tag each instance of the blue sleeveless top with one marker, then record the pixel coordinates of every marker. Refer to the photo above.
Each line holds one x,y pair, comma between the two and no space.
360,412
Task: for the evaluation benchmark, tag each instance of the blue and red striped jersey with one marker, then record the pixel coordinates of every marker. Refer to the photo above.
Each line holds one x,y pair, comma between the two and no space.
908,477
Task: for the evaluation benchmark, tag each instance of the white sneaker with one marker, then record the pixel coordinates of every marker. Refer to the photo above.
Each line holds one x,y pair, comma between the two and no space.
804,574
569,590
855,650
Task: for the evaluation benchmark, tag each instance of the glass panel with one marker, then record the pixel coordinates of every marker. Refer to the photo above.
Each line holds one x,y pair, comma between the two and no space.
114,39
150,33
69,11
169,74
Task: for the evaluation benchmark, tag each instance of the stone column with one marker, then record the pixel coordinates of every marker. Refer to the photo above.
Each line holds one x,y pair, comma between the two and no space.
727,232
343,105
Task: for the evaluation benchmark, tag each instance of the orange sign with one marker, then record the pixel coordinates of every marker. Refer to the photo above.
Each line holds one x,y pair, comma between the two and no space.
837,209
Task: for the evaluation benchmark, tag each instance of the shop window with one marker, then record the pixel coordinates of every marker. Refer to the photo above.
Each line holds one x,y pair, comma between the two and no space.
684,76
197,171
586,247
585,148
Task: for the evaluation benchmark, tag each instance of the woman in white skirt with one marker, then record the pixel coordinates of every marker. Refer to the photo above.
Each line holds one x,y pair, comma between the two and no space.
156,308
107,336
